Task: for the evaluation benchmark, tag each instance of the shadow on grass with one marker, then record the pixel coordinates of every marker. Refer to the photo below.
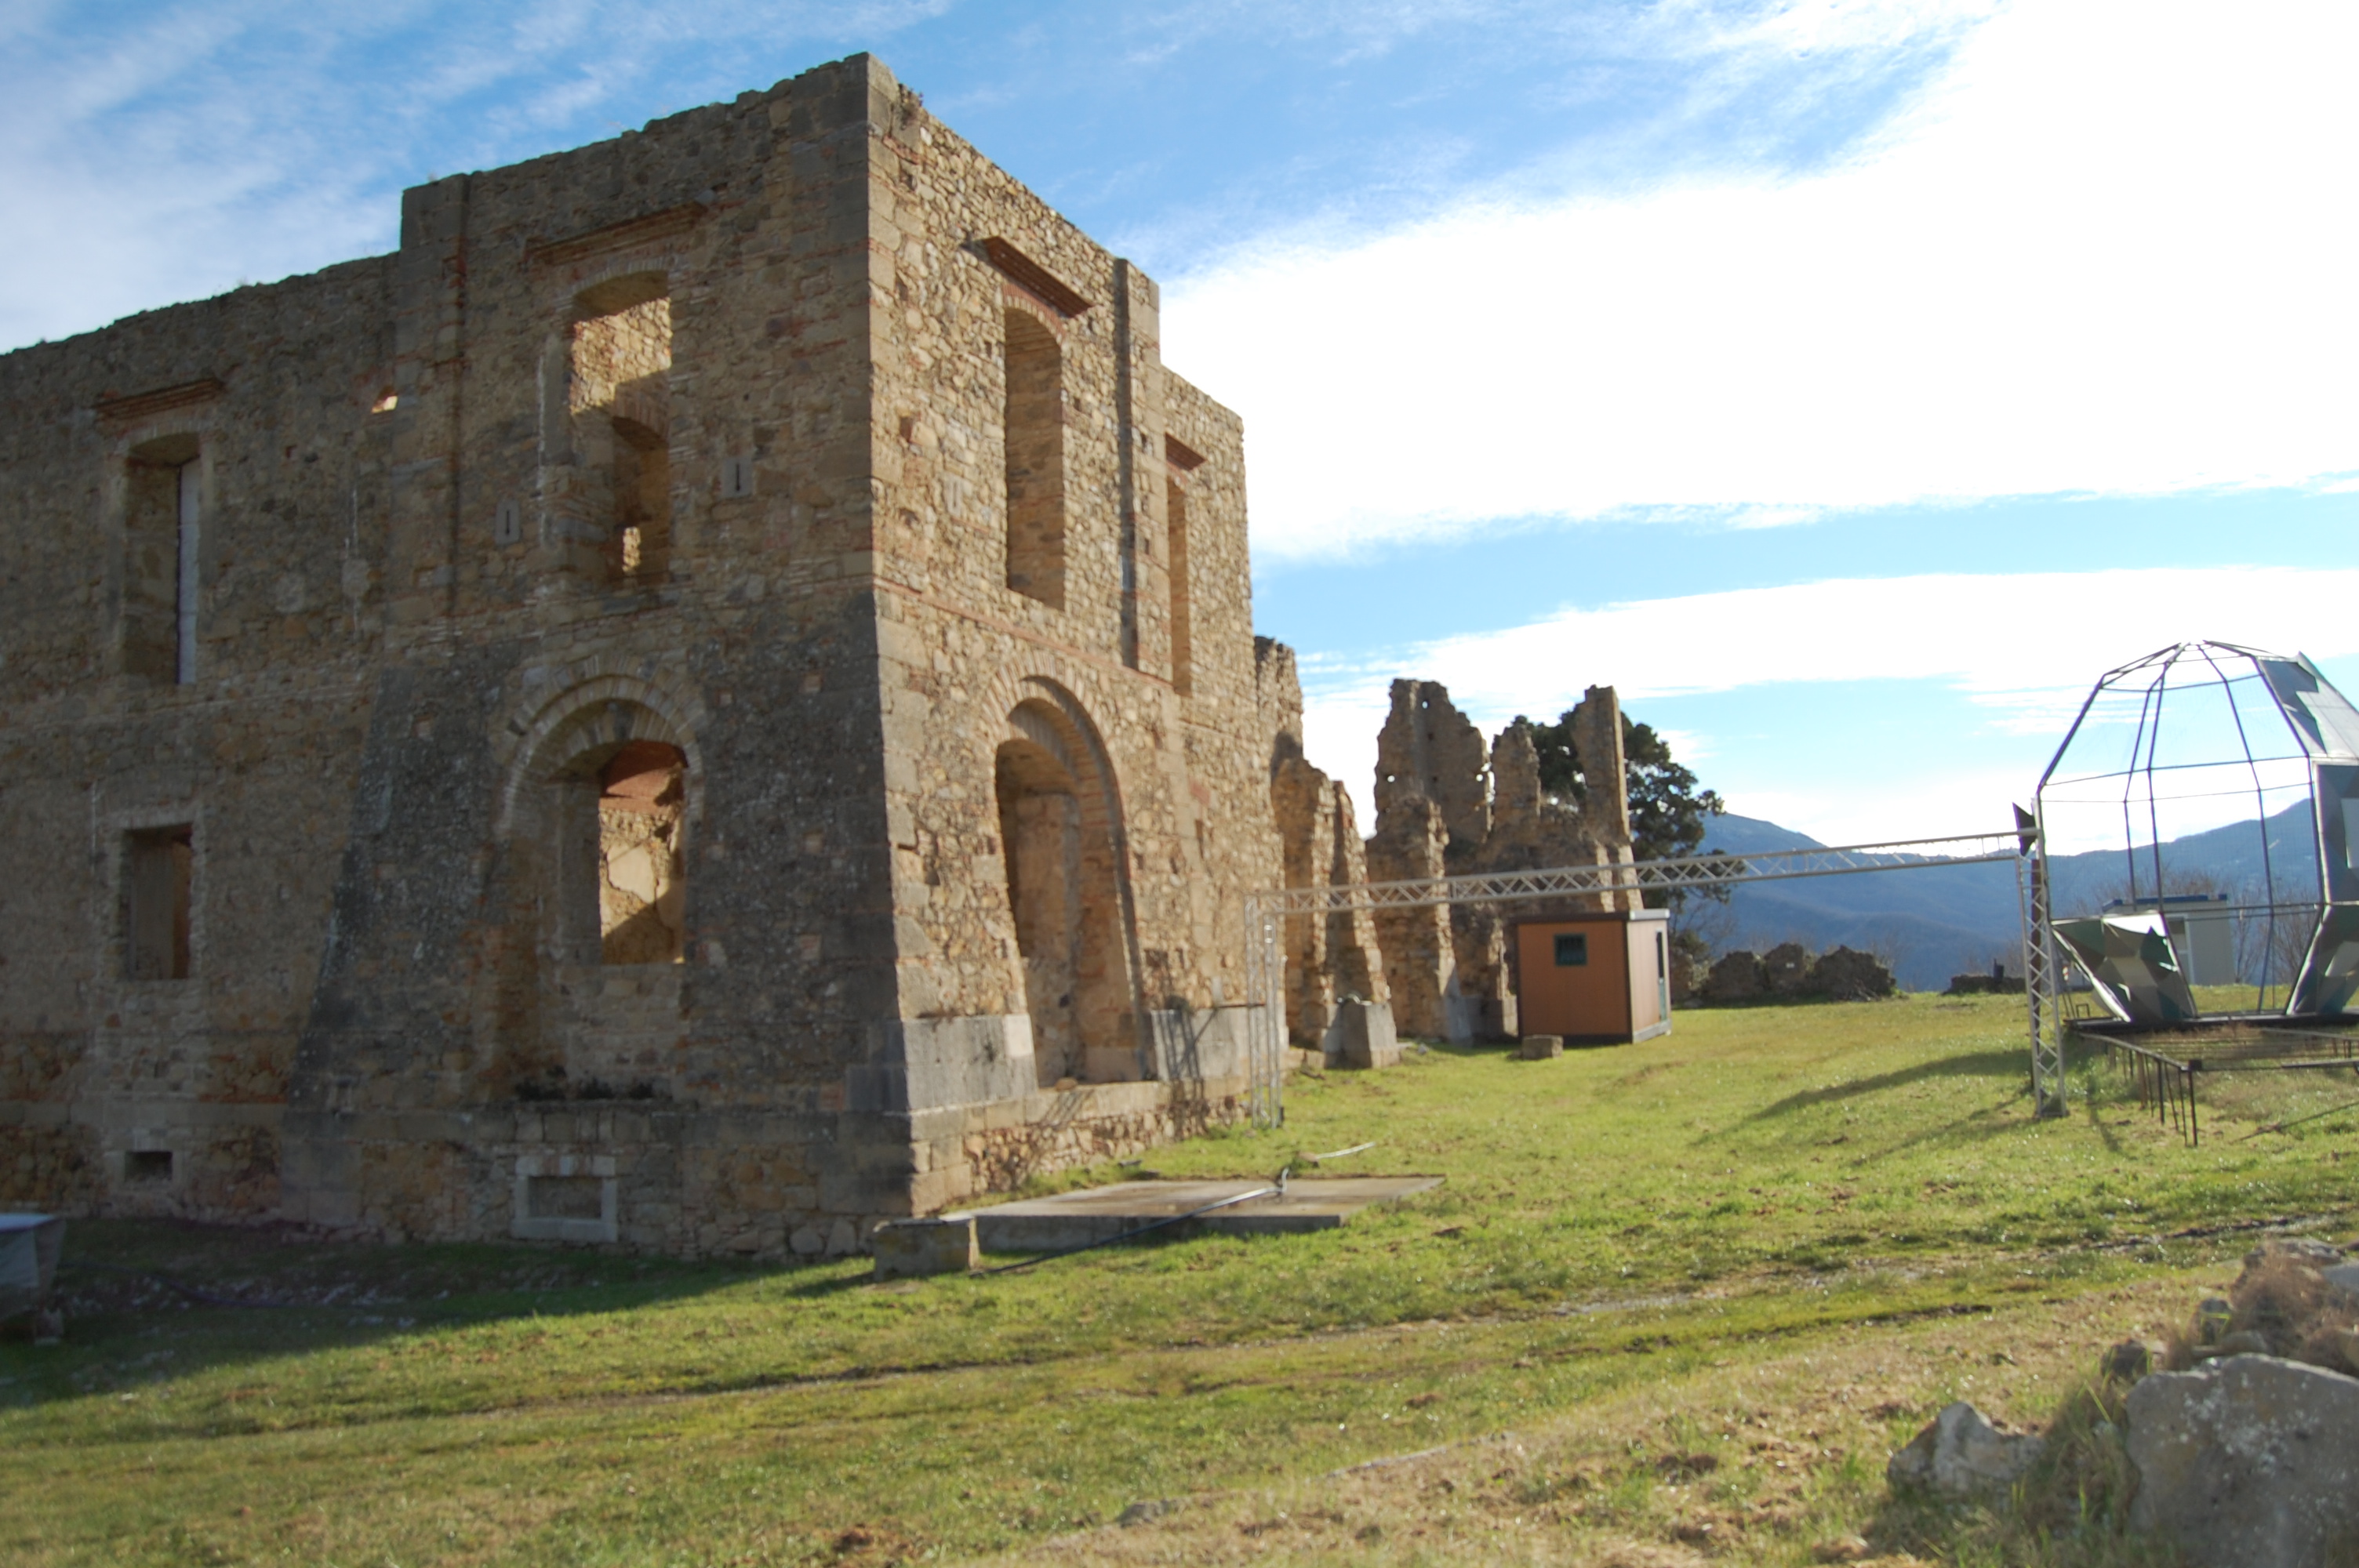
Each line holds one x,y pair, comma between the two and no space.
217,1295
1973,1065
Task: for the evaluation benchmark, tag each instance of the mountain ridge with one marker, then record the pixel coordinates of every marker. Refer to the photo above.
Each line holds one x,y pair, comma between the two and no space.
1930,922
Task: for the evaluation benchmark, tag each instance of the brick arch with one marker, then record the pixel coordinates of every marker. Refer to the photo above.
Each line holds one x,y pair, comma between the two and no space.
559,289
1039,676
589,707
1049,732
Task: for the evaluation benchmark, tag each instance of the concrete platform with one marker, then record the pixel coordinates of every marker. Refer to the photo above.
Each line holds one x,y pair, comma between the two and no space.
1102,1214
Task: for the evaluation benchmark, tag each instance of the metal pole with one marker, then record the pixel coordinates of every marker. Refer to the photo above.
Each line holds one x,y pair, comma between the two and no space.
2048,1088
1266,1015
1273,964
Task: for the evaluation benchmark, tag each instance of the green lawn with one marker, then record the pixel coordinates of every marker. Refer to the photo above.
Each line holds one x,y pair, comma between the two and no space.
1621,1224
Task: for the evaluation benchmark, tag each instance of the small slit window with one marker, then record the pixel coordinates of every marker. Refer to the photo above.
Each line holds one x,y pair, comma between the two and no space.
148,1165
1571,949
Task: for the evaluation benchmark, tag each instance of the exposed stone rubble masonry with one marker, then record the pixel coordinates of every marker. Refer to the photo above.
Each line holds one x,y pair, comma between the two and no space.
1446,807
723,445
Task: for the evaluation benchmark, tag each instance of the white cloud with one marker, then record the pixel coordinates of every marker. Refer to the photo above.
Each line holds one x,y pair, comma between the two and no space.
2106,251
249,139
2025,648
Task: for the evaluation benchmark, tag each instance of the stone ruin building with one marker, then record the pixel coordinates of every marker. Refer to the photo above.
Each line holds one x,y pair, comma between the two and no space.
706,701
1446,806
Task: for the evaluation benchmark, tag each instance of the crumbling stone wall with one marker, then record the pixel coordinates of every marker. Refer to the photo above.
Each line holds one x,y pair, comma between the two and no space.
1410,844
1444,807
1428,749
1789,972
696,439
1277,700
1334,957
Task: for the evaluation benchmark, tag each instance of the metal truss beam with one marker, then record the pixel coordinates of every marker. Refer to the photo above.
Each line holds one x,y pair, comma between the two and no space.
1720,870
1265,913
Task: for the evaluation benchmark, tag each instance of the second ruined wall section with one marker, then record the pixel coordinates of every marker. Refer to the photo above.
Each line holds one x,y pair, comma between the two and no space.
1108,724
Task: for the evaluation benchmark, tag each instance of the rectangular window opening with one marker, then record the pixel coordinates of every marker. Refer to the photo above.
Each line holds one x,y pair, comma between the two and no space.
158,874
184,596
1034,430
642,888
621,399
1571,949
1175,511
148,1165
162,505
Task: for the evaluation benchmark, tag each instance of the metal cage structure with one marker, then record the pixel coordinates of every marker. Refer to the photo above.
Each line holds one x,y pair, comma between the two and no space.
2195,758
2199,832
1267,910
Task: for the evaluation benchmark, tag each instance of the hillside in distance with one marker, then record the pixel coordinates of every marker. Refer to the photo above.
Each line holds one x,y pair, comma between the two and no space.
1932,921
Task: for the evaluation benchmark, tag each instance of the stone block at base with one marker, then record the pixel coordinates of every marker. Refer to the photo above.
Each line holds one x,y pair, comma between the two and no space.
1541,1047
1362,1036
906,1248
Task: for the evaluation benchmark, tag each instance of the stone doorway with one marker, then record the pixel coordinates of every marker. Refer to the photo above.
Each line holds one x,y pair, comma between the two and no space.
1059,831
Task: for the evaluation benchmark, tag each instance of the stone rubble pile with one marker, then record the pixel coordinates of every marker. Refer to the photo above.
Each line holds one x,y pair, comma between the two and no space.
2243,1431
1789,972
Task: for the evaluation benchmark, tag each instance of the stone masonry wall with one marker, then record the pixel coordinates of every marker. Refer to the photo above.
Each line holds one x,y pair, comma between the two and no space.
418,641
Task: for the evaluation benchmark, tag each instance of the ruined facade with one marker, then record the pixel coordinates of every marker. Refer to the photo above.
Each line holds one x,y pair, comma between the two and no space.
1446,807
706,700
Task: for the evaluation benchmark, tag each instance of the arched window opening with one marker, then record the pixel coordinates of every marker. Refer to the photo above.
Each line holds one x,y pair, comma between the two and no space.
641,885
1060,834
620,398
1034,430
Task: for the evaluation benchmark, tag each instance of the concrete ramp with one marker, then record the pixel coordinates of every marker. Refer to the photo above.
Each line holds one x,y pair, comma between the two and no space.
1104,1214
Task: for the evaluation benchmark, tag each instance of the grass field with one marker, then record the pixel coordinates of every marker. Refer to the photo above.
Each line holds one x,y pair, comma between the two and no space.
1675,1304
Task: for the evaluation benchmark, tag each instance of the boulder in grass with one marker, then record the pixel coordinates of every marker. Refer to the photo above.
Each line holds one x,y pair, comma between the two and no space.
2249,1461
2133,1359
1960,1455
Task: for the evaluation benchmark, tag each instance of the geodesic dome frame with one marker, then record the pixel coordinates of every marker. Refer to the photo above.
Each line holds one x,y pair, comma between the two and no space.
2209,748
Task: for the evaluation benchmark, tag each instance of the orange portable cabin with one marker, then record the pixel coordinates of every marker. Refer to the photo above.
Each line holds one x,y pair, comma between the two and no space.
1596,979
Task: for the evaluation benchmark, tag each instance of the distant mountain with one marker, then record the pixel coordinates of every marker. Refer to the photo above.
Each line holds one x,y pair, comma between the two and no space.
1932,922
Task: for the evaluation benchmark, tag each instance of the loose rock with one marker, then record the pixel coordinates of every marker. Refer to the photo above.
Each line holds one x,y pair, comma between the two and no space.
2213,1315
2249,1461
2132,1360
1960,1455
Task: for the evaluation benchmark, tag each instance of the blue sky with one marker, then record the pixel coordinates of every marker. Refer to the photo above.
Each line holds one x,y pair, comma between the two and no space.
1846,383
